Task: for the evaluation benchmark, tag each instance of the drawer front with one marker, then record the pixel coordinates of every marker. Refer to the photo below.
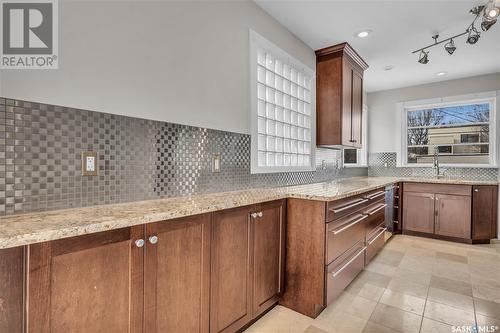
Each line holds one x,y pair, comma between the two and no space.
376,215
342,208
375,195
438,188
342,271
375,243
341,237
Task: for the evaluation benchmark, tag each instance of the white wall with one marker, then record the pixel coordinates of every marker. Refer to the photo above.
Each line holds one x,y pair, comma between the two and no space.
382,105
179,61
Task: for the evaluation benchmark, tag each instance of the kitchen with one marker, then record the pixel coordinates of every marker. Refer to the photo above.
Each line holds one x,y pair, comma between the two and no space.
258,166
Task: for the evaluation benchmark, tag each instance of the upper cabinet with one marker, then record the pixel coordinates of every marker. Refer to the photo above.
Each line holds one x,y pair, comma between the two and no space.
339,96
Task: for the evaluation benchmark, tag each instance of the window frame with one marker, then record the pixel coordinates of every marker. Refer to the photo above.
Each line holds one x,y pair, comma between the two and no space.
485,97
256,41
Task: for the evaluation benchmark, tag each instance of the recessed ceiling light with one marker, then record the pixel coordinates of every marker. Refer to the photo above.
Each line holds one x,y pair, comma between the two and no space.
441,73
364,33
388,67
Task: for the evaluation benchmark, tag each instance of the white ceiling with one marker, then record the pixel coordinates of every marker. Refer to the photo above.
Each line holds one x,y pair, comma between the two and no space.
399,27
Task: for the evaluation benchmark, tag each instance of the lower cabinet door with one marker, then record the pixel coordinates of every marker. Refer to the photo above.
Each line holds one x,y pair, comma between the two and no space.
177,275
231,278
268,260
453,215
11,290
418,212
90,283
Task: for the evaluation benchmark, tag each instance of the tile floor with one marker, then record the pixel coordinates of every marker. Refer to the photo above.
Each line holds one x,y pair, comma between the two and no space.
413,285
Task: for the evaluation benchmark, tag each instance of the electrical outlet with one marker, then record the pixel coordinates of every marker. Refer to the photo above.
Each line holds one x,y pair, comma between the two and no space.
216,163
385,165
89,163
323,164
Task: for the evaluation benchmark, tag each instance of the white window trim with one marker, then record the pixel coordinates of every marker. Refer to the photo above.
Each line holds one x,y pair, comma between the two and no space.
257,41
402,109
362,154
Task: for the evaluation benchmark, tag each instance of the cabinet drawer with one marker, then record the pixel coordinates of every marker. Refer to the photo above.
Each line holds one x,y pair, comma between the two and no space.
439,188
341,237
375,195
375,242
376,215
342,271
341,208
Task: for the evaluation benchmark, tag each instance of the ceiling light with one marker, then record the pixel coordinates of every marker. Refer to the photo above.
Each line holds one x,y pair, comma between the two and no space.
388,68
487,24
473,36
491,11
450,47
364,33
424,57
441,73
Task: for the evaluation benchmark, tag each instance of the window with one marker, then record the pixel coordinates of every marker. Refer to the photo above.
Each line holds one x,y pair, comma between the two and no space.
462,132
282,110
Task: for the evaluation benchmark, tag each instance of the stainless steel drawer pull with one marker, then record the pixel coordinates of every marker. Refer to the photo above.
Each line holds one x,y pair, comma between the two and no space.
373,211
335,211
375,195
378,235
338,231
139,242
349,262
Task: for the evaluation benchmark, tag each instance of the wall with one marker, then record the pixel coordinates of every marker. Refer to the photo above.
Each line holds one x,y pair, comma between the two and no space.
178,61
382,105
40,159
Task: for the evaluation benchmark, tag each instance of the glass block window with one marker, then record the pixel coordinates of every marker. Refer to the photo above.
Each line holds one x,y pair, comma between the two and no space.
282,110
458,133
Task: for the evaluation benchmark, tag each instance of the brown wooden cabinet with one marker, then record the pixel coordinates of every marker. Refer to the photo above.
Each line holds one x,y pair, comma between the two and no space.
484,213
339,96
177,275
247,264
11,290
418,213
453,215
91,283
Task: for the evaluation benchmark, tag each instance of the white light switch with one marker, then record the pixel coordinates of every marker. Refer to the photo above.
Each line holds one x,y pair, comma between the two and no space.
215,163
89,163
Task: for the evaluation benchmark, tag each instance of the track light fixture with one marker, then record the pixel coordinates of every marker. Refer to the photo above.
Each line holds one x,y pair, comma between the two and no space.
450,47
488,13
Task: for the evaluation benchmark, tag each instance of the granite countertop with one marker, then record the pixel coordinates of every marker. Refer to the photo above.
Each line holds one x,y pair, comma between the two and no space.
24,229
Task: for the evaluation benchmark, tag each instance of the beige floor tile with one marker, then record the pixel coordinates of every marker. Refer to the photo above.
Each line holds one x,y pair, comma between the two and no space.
372,327
281,320
314,329
408,287
408,275
396,319
366,290
455,286
416,264
448,314
373,278
487,308
485,292
355,305
432,326
389,257
450,298
403,301
452,257
490,281
488,321
383,269
339,322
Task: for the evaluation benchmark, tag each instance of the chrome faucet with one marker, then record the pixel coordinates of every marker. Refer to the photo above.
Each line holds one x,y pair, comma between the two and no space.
436,163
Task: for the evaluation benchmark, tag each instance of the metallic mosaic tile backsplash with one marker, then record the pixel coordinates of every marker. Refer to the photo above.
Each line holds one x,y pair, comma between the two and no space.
40,159
376,167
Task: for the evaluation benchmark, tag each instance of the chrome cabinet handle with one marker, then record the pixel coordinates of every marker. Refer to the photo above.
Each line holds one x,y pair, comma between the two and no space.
139,242
260,214
476,190
254,215
378,235
335,211
338,231
375,195
371,212
153,239
349,262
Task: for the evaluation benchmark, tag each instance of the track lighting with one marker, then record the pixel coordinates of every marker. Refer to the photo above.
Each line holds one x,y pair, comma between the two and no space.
488,14
473,36
487,24
450,47
424,57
